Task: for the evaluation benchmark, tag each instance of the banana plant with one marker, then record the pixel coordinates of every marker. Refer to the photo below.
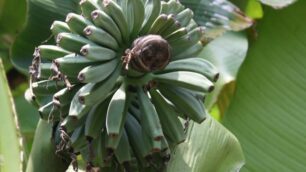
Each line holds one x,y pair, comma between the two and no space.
138,95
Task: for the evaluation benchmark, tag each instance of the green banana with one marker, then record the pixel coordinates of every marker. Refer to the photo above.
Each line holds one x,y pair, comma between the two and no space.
186,79
87,7
191,25
58,27
177,34
47,87
77,109
77,23
78,140
167,25
185,16
96,118
174,7
185,102
116,112
164,7
104,21
172,29
97,73
160,21
115,12
65,95
45,71
99,91
97,53
51,52
101,37
122,152
134,132
72,64
198,65
192,51
134,16
97,147
69,124
164,144
152,10
48,112
171,125
72,42
149,118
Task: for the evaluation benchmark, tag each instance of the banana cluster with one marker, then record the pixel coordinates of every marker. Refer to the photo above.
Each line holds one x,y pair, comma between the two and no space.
121,80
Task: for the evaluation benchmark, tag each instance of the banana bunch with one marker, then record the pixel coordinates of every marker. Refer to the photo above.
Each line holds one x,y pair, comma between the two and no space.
121,80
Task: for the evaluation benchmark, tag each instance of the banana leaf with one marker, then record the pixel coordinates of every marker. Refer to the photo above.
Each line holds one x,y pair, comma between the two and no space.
268,112
10,152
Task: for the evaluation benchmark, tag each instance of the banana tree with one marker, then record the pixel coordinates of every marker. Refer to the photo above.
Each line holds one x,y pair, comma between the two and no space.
206,146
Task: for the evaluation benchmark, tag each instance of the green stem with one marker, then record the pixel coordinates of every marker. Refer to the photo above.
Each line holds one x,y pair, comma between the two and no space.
43,157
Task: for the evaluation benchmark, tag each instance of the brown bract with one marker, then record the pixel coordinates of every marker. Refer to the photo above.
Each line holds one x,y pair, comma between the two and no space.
148,53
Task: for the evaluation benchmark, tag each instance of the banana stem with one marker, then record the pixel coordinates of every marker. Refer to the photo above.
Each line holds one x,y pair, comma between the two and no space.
43,157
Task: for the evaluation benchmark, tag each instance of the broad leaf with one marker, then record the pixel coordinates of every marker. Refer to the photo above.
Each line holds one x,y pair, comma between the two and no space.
40,16
9,141
12,16
278,3
268,112
208,147
217,16
227,53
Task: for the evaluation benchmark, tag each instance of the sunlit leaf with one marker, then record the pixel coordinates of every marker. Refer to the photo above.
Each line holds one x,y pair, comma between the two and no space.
268,112
227,53
209,147
9,141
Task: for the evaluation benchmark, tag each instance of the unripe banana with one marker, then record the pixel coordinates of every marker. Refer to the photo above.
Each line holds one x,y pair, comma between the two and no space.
47,87
97,73
87,7
104,21
95,121
115,11
120,81
72,42
97,53
58,27
186,79
51,52
134,16
101,37
149,117
197,65
152,10
77,23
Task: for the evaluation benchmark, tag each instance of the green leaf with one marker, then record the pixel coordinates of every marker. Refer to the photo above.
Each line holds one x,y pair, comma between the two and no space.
218,16
28,118
227,53
9,141
12,15
40,16
278,3
43,157
268,112
208,147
